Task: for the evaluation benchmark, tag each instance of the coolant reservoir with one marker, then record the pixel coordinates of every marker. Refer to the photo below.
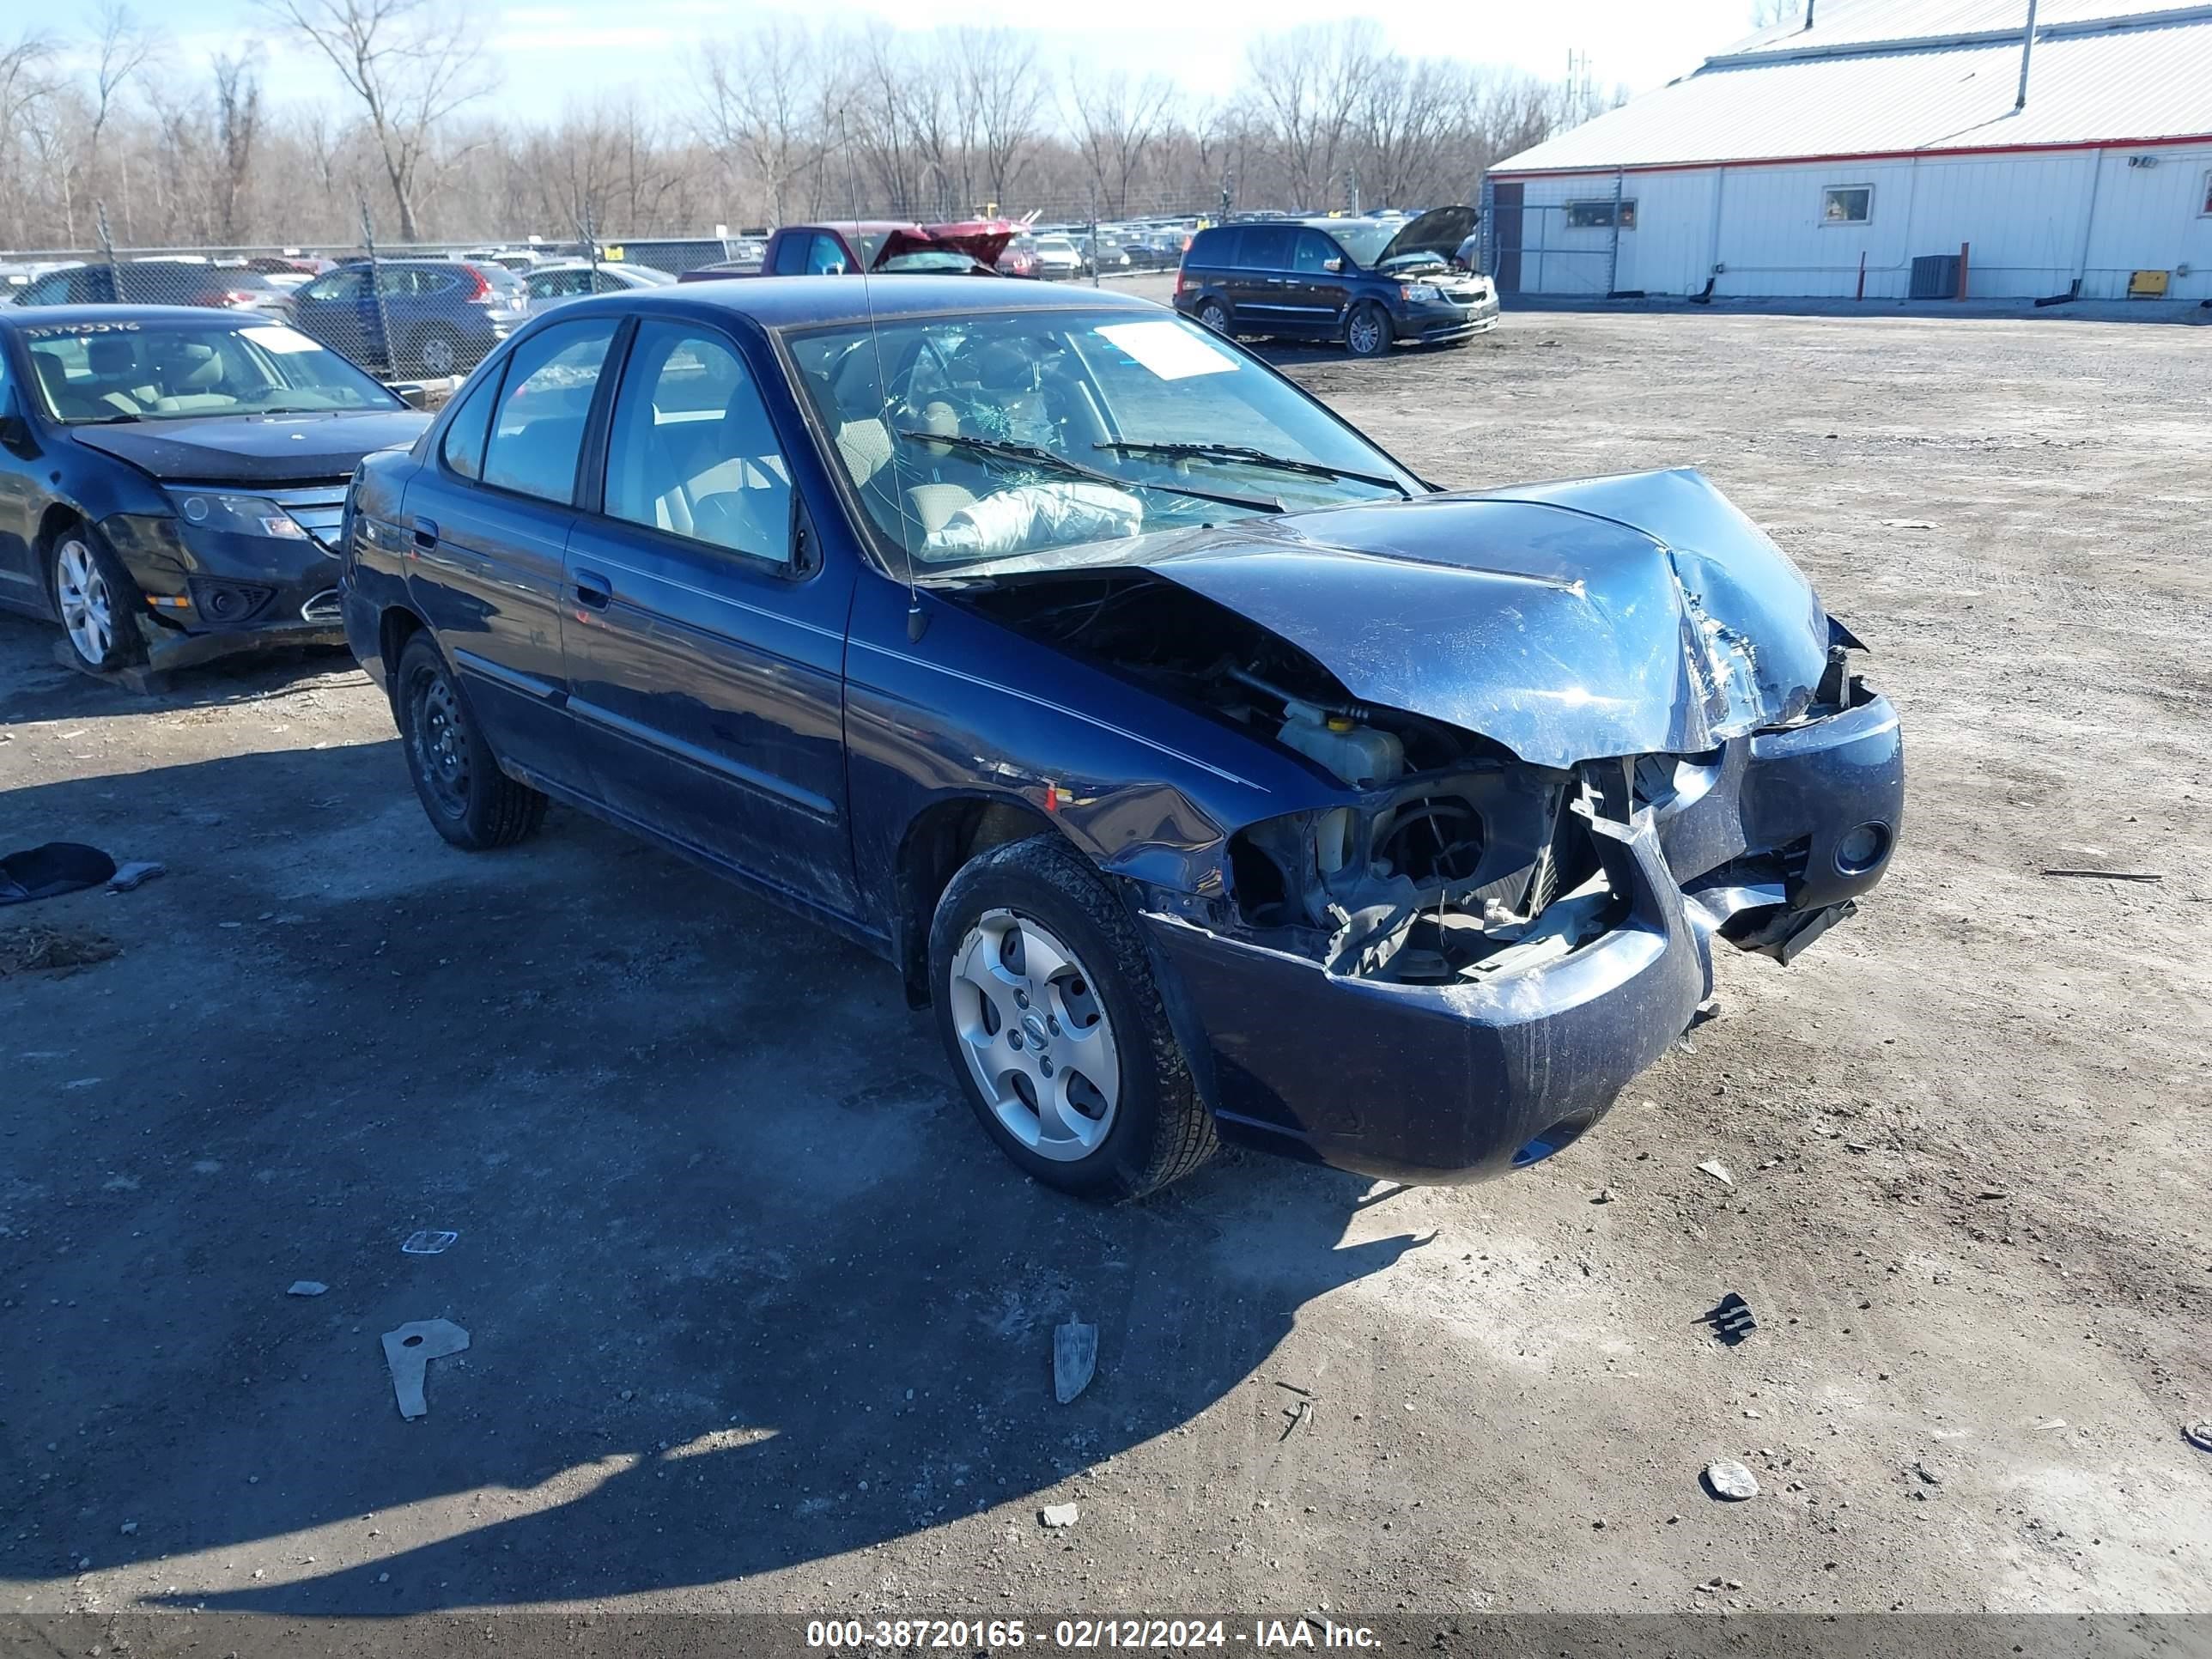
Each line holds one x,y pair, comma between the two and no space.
1359,755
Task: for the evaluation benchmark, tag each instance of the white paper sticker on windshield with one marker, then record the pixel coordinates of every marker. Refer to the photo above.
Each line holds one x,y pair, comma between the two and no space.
275,337
1170,350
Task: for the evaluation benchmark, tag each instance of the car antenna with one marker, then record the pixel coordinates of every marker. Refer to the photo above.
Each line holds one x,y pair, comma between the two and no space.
916,622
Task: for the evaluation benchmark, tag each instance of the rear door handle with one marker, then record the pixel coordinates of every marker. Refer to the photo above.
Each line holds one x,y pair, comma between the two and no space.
426,532
592,589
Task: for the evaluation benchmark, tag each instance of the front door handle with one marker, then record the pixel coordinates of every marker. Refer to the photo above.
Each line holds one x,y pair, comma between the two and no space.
592,589
426,532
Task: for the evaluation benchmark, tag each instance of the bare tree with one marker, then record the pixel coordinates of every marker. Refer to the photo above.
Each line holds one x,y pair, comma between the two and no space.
1765,14
1307,84
237,125
757,107
1113,124
411,63
1006,88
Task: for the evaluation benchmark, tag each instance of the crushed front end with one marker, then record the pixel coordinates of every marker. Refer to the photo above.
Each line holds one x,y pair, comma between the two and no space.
1456,975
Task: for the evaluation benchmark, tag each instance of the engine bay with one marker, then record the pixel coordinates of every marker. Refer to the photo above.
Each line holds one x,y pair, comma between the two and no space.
1454,860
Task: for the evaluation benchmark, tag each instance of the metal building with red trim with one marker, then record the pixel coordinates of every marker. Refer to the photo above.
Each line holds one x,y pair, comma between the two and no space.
1828,156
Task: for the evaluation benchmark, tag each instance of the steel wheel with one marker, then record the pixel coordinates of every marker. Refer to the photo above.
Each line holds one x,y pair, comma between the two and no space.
1366,334
441,752
1035,1036
87,604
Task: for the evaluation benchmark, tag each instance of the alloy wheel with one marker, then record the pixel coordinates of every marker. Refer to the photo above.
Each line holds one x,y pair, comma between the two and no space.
1364,334
1214,316
87,606
1035,1035
438,355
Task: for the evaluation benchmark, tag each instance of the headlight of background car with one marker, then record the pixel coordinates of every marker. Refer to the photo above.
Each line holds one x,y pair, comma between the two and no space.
236,515
1421,291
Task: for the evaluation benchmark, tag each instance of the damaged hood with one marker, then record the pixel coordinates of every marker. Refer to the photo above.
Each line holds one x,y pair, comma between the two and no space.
1438,232
1634,614
255,449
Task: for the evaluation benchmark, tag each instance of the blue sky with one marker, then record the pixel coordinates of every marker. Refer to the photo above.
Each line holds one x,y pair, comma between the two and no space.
553,50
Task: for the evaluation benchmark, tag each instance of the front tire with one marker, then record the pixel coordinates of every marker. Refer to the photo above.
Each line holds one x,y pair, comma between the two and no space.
1051,1018
1367,330
96,599
469,801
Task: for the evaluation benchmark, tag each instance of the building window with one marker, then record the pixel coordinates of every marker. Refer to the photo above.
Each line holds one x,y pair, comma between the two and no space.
1598,215
2207,211
1847,205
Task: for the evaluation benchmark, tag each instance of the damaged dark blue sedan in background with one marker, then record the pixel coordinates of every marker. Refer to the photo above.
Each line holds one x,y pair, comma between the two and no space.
1207,772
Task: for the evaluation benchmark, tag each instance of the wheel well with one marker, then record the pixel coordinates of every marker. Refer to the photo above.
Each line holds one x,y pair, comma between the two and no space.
57,519
937,843
393,630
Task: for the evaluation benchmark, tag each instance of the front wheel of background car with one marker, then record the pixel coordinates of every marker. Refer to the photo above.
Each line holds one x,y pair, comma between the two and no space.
469,801
1214,315
1367,331
97,601
438,352
1050,1016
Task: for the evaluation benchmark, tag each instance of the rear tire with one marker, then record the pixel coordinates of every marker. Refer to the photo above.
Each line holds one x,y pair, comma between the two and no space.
1214,315
95,599
1027,939
469,801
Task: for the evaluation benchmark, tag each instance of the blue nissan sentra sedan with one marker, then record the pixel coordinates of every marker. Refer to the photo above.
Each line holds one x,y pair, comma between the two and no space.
1206,771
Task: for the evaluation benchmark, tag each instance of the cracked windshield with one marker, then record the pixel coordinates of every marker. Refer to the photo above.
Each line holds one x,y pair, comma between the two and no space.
984,437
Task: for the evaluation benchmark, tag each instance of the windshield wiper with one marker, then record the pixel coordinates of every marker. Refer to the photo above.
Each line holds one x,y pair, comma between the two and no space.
119,418
1035,455
1254,457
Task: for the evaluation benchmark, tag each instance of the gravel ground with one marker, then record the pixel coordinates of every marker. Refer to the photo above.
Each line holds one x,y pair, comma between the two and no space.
758,1320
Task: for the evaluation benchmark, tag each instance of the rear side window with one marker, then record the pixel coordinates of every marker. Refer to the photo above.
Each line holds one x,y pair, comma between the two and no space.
1266,247
1213,247
538,430
463,446
827,258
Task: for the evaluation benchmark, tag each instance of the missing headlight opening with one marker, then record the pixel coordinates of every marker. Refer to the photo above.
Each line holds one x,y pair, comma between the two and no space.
1463,873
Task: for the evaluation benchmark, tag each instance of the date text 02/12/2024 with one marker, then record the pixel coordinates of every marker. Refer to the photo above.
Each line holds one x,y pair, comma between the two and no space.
1003,1635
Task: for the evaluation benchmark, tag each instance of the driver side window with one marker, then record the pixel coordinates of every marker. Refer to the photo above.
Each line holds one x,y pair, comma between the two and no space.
826,259
691,450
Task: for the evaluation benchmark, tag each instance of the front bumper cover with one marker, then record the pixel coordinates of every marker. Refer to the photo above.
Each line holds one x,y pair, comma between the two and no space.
1447,1083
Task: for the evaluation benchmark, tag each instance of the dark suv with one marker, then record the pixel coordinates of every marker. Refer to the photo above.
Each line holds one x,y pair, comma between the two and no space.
1367,283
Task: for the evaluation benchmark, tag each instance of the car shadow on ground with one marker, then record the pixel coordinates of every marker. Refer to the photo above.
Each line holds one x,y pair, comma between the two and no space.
745,1284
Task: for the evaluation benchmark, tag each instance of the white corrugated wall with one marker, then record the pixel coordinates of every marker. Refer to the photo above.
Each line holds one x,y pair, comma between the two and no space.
2035,223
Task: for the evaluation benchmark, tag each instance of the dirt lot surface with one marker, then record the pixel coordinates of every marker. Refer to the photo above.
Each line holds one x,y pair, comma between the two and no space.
759,1321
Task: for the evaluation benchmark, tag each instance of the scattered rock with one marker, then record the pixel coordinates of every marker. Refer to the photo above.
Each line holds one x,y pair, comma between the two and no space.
1718,1171
1931,1476
1731,1482
1604,1195
307,1287
129,1528
1058,1515
2198,1434
1908,523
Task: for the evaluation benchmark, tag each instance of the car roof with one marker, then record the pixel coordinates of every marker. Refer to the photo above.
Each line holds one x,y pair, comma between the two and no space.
788,302
50,316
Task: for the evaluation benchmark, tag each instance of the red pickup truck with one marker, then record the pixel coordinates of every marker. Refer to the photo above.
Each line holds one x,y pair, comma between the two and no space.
878,245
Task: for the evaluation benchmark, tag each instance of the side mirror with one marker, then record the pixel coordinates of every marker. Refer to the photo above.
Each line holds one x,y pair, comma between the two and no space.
1331,266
